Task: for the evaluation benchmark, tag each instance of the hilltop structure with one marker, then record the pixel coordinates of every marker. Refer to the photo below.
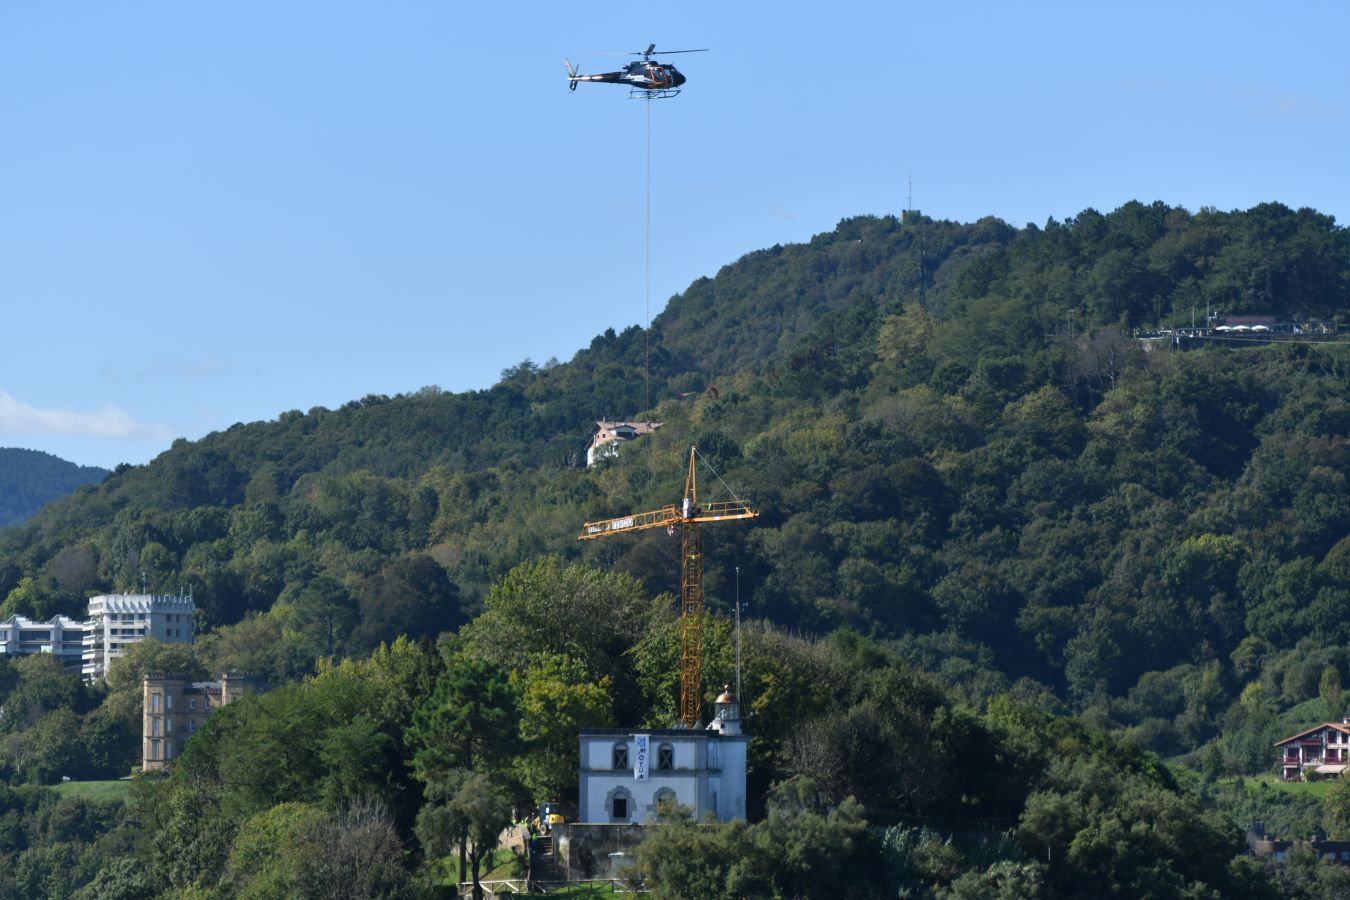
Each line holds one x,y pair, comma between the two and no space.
606,437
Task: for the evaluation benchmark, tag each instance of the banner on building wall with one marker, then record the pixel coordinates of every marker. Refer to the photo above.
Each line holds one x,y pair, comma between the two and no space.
640,757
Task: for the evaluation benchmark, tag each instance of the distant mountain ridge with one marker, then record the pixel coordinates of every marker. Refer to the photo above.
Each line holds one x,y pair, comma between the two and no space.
30,479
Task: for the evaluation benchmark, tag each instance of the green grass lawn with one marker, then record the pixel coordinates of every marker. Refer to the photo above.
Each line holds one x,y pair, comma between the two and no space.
1316,789
501,866
99,791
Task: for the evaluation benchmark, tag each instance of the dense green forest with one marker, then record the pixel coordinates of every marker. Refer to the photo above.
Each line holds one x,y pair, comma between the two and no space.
31,478
993,527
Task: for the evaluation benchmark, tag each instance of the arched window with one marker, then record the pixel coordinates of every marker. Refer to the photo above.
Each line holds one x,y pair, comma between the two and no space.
619,803
664,801
621,755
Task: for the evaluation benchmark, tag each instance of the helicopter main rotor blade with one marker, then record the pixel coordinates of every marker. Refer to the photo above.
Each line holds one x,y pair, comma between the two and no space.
643,52
652,51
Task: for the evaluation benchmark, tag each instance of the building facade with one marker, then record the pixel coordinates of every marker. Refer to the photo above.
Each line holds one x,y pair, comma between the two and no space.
175,708
118,620
1268,846
627,775
606,437
61,636
1324,750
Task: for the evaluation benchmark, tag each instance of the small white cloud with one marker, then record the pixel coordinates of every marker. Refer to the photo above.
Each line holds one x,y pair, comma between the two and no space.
19,419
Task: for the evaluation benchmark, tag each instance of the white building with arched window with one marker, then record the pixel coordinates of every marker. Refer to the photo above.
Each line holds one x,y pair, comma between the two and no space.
627,774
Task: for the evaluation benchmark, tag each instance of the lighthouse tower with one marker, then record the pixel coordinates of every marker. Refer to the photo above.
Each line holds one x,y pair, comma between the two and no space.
726,713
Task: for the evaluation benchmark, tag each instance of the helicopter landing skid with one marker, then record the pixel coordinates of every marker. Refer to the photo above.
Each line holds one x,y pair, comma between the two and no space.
643,94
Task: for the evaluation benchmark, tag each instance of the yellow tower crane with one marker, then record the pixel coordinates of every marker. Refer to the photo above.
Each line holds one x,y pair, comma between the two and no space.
688,515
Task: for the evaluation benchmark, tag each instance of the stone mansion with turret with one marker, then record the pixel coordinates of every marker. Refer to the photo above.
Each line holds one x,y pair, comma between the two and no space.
175,708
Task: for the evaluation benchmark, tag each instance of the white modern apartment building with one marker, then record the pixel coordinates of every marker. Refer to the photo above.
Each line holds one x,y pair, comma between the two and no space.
62,637
118,620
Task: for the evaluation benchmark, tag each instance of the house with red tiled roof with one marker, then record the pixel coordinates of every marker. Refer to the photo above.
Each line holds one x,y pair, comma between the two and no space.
606,437
1324,750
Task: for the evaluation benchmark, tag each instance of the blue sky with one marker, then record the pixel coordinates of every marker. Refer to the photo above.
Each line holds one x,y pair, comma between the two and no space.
217,212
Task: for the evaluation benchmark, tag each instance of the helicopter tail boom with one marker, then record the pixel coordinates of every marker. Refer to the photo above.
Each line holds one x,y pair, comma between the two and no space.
574,77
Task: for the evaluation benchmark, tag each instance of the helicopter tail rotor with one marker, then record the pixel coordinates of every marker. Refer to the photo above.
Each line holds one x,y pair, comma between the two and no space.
571,74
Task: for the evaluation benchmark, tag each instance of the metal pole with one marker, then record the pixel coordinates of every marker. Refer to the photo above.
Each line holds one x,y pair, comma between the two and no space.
738,636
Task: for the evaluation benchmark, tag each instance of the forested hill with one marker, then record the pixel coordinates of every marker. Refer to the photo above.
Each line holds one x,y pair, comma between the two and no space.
31,478
955,443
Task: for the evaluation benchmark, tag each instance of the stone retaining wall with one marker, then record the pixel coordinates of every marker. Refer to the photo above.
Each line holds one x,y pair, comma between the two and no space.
583,851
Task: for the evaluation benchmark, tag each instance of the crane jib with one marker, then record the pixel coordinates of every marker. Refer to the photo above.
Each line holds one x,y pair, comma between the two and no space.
688,514
611,526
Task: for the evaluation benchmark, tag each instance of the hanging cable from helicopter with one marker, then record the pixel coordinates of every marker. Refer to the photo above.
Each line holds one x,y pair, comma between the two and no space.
647,79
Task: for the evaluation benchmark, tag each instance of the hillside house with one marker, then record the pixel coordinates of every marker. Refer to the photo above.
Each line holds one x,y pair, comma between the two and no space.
1324,750
606,437
175,708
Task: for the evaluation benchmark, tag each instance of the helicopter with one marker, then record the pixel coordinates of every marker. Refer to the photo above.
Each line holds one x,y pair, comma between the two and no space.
646,78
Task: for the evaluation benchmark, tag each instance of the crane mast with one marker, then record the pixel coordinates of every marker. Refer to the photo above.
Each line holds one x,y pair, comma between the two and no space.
689,515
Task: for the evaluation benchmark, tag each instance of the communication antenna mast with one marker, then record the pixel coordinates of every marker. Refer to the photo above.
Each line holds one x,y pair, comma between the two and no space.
739,698
912,215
